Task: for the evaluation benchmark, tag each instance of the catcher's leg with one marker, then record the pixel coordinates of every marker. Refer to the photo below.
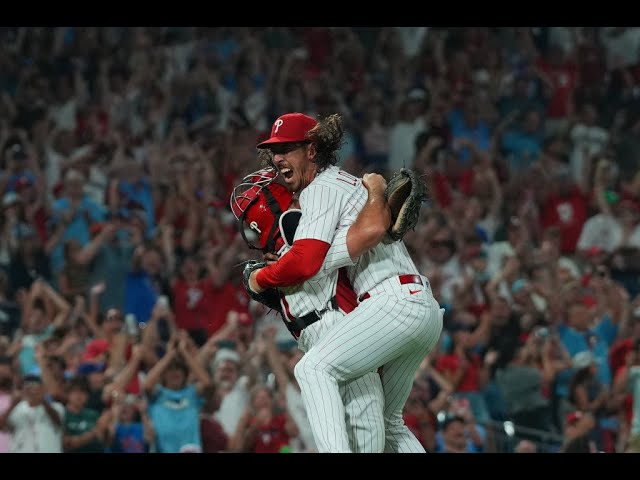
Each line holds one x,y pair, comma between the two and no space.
364,408
381,329
397,380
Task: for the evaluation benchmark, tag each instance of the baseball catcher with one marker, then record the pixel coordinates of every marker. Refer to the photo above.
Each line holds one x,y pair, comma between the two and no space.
258,203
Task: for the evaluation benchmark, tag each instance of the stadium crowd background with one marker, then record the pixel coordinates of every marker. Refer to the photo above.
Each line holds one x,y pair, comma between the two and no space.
122,313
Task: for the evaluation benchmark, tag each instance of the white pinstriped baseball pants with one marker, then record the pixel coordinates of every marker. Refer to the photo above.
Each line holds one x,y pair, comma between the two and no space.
394,329
362,397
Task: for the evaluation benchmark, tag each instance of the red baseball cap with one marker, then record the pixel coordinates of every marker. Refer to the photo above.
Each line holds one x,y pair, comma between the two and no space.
95,348
290,127
573,417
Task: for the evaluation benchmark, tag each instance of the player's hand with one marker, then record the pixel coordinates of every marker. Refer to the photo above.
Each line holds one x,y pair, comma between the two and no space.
253,283
270,258
374,182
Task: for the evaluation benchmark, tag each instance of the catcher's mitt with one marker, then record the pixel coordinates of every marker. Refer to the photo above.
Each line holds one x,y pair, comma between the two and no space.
270,297
405,193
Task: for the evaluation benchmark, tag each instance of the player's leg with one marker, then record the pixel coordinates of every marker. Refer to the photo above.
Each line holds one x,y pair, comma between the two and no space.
381,329
362,398
364,409
397,380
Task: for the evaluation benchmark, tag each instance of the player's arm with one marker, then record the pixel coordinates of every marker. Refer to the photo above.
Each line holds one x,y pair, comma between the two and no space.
373,220
321,207
366,231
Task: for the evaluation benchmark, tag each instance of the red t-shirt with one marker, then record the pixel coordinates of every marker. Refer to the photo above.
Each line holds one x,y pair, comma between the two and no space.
272,437
193,303
563,78
413,423
40,219
442,185
627,404
629,196
442,189
469,382
319,45
618,355
568,213
593,66
228,298
214,439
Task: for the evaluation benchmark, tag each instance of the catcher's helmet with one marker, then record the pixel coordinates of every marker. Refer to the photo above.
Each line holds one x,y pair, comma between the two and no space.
259,202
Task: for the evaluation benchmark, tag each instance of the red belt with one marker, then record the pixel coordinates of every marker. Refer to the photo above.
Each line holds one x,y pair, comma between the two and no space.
404,279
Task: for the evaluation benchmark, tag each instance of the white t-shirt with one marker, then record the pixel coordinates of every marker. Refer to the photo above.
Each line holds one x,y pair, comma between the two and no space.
52,170
602,231
622,49
233,406
64,115
591,140
296,409
402,140
5,437
411,39
497,254
33,431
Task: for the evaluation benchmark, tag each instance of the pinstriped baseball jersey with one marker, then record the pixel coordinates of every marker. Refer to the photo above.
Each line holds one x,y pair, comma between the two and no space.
362,397
394,330
387,260
333,200
321,199
315,293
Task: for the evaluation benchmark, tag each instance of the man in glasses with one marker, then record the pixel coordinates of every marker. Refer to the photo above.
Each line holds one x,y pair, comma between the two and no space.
397,321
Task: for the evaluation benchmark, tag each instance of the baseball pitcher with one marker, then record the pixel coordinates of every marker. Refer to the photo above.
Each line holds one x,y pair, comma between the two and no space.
397,322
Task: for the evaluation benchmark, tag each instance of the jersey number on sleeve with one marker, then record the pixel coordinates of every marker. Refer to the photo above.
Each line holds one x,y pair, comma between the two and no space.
347,178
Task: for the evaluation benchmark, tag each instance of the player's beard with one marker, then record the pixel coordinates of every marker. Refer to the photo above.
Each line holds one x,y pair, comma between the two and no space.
306,176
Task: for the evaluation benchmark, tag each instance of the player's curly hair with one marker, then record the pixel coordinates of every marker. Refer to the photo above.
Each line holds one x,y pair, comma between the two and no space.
328,136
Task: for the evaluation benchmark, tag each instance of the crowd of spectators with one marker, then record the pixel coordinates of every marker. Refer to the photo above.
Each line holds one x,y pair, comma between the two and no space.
124,326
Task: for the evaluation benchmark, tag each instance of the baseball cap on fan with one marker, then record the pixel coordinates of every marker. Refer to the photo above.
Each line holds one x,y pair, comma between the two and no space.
289,128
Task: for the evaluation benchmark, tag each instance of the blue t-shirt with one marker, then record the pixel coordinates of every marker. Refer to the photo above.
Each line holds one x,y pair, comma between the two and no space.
15,177
470,447
480,135
597,339
87,213
140,192
140,295
522,149
27,354
175,417
129,439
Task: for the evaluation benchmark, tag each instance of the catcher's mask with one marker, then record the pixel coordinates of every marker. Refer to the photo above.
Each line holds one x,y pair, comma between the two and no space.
259,203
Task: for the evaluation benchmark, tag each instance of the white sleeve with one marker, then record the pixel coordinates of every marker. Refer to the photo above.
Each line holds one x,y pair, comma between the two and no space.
58,407
338,254
585,240
321,207
17,415
634,239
